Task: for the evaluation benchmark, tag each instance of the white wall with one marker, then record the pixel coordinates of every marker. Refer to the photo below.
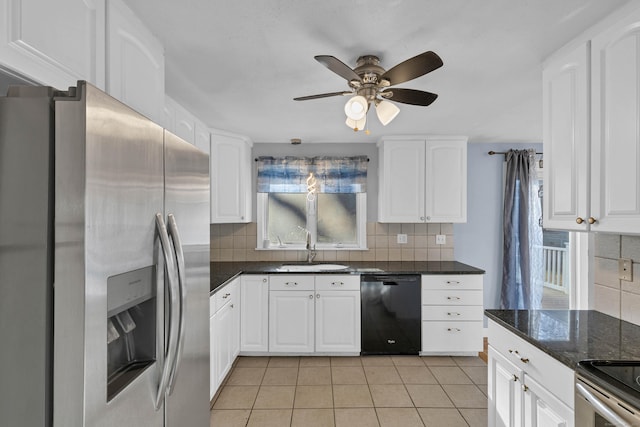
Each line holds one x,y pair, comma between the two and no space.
479,240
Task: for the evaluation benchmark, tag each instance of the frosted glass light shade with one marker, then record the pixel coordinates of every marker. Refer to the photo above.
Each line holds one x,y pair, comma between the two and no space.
356,107
386,112
356,124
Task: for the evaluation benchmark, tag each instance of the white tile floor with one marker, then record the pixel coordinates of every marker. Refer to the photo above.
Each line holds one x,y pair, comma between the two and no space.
402,391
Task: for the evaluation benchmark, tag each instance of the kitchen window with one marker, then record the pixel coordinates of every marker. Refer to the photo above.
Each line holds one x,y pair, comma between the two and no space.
325,196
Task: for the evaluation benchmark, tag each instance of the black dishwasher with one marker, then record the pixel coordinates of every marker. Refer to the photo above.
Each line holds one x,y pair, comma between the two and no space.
391,313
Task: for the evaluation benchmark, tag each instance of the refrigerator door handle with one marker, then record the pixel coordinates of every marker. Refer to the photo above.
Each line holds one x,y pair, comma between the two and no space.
177,246
170,348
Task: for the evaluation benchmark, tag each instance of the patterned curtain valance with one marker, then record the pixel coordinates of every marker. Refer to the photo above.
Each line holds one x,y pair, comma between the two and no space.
332,174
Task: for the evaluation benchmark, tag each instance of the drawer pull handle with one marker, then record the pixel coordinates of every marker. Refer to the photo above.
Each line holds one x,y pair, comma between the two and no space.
231,305
453,298
453,282
291,283
525,388
225,295
524,360
453,329
453,314
511,351
515,377
337,283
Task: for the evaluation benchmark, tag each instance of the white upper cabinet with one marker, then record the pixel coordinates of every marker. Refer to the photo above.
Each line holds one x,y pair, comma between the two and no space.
592,163
135,64
230,172
566,140
54,43
615,161
423,179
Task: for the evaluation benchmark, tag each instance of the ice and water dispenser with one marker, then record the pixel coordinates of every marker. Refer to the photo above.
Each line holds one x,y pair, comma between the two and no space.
131,327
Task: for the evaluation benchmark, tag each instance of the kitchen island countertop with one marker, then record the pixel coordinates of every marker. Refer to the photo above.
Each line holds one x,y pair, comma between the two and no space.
571,336
221,272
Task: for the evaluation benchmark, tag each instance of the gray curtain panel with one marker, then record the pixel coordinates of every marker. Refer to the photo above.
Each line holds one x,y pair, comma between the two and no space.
516,266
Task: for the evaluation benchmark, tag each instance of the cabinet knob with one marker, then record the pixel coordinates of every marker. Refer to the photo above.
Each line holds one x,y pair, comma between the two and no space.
579,220
231,305
428,218
310,296
525,388
515,377
591,220
264,280
422,218
317,295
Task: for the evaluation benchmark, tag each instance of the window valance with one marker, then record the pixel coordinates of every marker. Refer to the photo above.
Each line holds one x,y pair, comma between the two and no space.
331,174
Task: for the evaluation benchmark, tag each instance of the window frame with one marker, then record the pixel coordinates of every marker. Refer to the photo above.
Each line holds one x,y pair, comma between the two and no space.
263,242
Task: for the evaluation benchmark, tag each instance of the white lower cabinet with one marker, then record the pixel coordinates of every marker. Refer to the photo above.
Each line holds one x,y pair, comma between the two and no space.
254,317
452,312
318,314
224,330
291,321
526,386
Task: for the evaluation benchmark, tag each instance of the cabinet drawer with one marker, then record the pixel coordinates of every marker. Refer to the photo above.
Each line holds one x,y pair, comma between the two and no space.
337,282
290,282
452,297
224,295
556,377
448,313
459,281
452,336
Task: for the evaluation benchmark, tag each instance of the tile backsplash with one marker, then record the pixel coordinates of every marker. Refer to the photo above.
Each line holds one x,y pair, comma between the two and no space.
237,242
615,297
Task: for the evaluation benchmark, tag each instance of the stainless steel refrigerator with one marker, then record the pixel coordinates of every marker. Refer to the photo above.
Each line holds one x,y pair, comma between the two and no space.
104,265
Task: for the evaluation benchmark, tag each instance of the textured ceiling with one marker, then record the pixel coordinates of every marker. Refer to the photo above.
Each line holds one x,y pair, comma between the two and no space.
238,64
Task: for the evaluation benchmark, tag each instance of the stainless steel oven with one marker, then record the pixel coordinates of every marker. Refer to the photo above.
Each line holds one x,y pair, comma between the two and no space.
607,394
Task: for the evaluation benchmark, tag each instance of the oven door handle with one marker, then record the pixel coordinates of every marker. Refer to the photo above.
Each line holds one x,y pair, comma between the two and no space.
601,408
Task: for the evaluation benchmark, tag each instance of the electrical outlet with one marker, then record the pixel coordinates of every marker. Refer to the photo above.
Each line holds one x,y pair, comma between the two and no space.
402,239
441,239
625,269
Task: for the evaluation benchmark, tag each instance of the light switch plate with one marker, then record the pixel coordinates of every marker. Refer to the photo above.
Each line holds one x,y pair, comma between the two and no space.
625,269
441,239
402,239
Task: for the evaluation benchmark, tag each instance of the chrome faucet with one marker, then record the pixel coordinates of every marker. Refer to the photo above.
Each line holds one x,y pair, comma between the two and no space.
311,251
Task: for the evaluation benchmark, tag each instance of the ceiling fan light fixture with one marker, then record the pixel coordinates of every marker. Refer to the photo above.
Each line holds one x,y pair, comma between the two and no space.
356,107
356,125
386,112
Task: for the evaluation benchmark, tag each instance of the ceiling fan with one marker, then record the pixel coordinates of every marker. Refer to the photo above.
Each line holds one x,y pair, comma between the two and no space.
371,84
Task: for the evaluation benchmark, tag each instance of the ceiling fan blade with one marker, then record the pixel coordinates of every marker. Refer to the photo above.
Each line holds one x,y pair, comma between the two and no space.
411,68
338,67
409,96
322,95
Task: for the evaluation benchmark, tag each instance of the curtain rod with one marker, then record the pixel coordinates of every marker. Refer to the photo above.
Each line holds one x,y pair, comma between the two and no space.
491,153
256,159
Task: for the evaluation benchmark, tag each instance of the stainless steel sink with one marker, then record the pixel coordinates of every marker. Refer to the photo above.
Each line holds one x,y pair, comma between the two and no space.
312,267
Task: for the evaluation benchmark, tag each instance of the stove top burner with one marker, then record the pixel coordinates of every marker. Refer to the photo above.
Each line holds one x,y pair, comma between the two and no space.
625,372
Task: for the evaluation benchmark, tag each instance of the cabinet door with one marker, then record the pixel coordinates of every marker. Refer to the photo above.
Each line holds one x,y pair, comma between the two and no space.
54,43
543,409
230,179
213,385
254,313
338,321
566,137
505,394
234,330
615,178
223,326
402,181
446,180
291,321
135,62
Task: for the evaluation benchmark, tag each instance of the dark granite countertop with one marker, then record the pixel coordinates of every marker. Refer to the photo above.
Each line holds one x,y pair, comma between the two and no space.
571,336
222,272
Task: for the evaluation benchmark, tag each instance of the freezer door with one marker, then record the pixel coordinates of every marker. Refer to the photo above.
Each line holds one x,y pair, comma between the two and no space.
109,186
187,208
